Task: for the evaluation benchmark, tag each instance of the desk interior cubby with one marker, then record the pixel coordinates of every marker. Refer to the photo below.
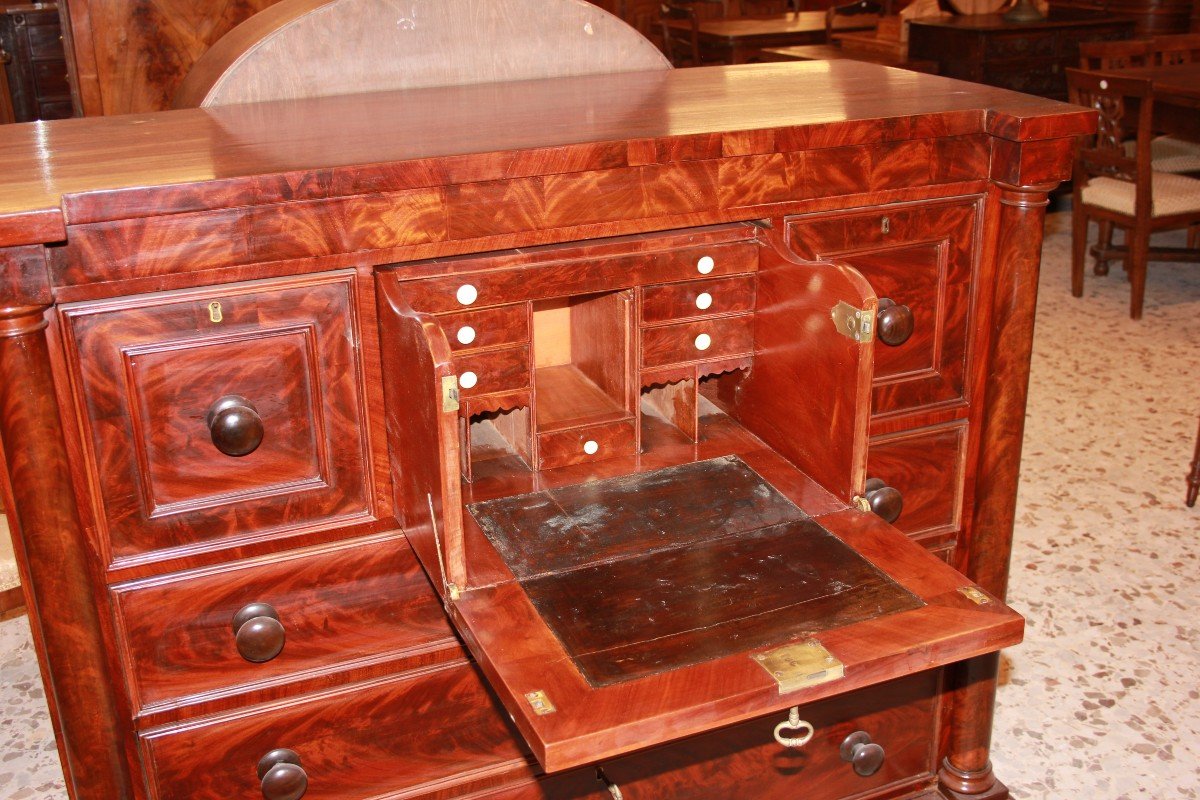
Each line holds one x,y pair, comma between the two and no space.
667,497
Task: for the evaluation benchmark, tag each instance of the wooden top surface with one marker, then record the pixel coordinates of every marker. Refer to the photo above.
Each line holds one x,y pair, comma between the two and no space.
67,171
832,52
773,24
1057,18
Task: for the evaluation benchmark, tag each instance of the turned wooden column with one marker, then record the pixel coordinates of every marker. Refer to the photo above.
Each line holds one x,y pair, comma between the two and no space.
52,543
1016,233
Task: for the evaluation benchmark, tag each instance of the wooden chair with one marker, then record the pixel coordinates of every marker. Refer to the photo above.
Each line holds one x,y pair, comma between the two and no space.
1112,186
682,44
1116,55
1193,480
340,41
1179,48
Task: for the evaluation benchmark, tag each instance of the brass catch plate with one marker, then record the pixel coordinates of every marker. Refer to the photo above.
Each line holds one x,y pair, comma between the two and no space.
853,322
450,393
975,595
796,666
540,702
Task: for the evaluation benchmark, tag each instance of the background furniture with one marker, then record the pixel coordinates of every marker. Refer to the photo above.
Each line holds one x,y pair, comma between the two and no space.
740,40
1113,186
1027,57
34,63
832,52
1152,16
253,255
1193,481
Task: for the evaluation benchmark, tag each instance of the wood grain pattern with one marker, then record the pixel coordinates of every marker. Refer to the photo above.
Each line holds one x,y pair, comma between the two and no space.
179,645
150,369
680,343
257,62
677,301
566,447
928,468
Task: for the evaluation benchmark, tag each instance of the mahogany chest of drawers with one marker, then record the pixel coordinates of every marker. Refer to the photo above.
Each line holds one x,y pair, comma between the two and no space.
521,441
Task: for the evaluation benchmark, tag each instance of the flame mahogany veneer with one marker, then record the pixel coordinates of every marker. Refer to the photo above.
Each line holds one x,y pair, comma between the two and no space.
304,258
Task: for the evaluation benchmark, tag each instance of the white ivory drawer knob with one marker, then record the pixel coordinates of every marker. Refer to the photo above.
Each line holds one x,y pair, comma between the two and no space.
703,341
705,265
467,294
465,335
703,301
591,447
468,380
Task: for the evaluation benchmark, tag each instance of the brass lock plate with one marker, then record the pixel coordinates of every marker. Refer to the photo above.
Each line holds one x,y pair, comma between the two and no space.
796,666
852,322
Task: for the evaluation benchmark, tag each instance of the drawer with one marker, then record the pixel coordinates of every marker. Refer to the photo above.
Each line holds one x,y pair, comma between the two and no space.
745,761
928,468
593,443
489,327
155,377
924,256
356,602
578,276
674,301
701,340
45,42
58,109
418,736
50,78
492,371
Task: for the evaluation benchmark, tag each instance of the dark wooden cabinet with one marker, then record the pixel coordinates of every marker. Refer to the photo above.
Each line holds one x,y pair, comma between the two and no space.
1026,56
34,61
513,442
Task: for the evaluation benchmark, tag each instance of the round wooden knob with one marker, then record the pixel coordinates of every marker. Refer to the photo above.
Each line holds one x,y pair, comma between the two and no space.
884,500
282,776
235,426
258,633
895,323
864,755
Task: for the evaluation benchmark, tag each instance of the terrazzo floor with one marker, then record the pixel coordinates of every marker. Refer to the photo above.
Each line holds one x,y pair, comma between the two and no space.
1101,701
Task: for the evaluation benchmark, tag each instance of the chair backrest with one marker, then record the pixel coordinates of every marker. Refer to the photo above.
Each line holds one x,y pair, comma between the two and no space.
861,8
314,48
1116,55
1125,107
1179,48
681,43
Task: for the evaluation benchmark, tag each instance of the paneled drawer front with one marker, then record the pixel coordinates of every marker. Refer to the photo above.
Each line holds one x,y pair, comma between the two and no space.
492,371
333,606
177,465
704,339
45,42
593,443
469,290
746,762
489,327
408,735
674,301
927,466
922,256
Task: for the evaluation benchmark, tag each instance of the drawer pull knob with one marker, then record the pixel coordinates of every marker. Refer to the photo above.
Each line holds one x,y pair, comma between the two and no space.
862,753
794,723
465,335
705,265
258,633
591,447
468,380
703,341
884,500
895,322
282,776
235,426
704,301
467,294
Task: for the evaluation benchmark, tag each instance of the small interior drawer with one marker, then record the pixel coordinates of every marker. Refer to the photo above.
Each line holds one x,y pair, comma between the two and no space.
419,736
674,301
579,445
700,340
45,42
489,327
181,636
747,761
492,371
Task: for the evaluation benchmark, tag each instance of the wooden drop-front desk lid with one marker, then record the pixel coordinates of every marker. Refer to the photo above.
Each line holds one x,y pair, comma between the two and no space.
95,169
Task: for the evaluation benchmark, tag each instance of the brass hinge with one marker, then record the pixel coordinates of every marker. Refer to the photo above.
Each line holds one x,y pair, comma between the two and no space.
975,595
853,322
450,393
796,666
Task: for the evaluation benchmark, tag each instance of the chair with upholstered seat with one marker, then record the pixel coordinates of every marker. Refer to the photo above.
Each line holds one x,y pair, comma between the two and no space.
1122,190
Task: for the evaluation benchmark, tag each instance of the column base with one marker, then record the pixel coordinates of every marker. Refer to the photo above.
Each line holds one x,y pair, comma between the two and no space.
956,784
